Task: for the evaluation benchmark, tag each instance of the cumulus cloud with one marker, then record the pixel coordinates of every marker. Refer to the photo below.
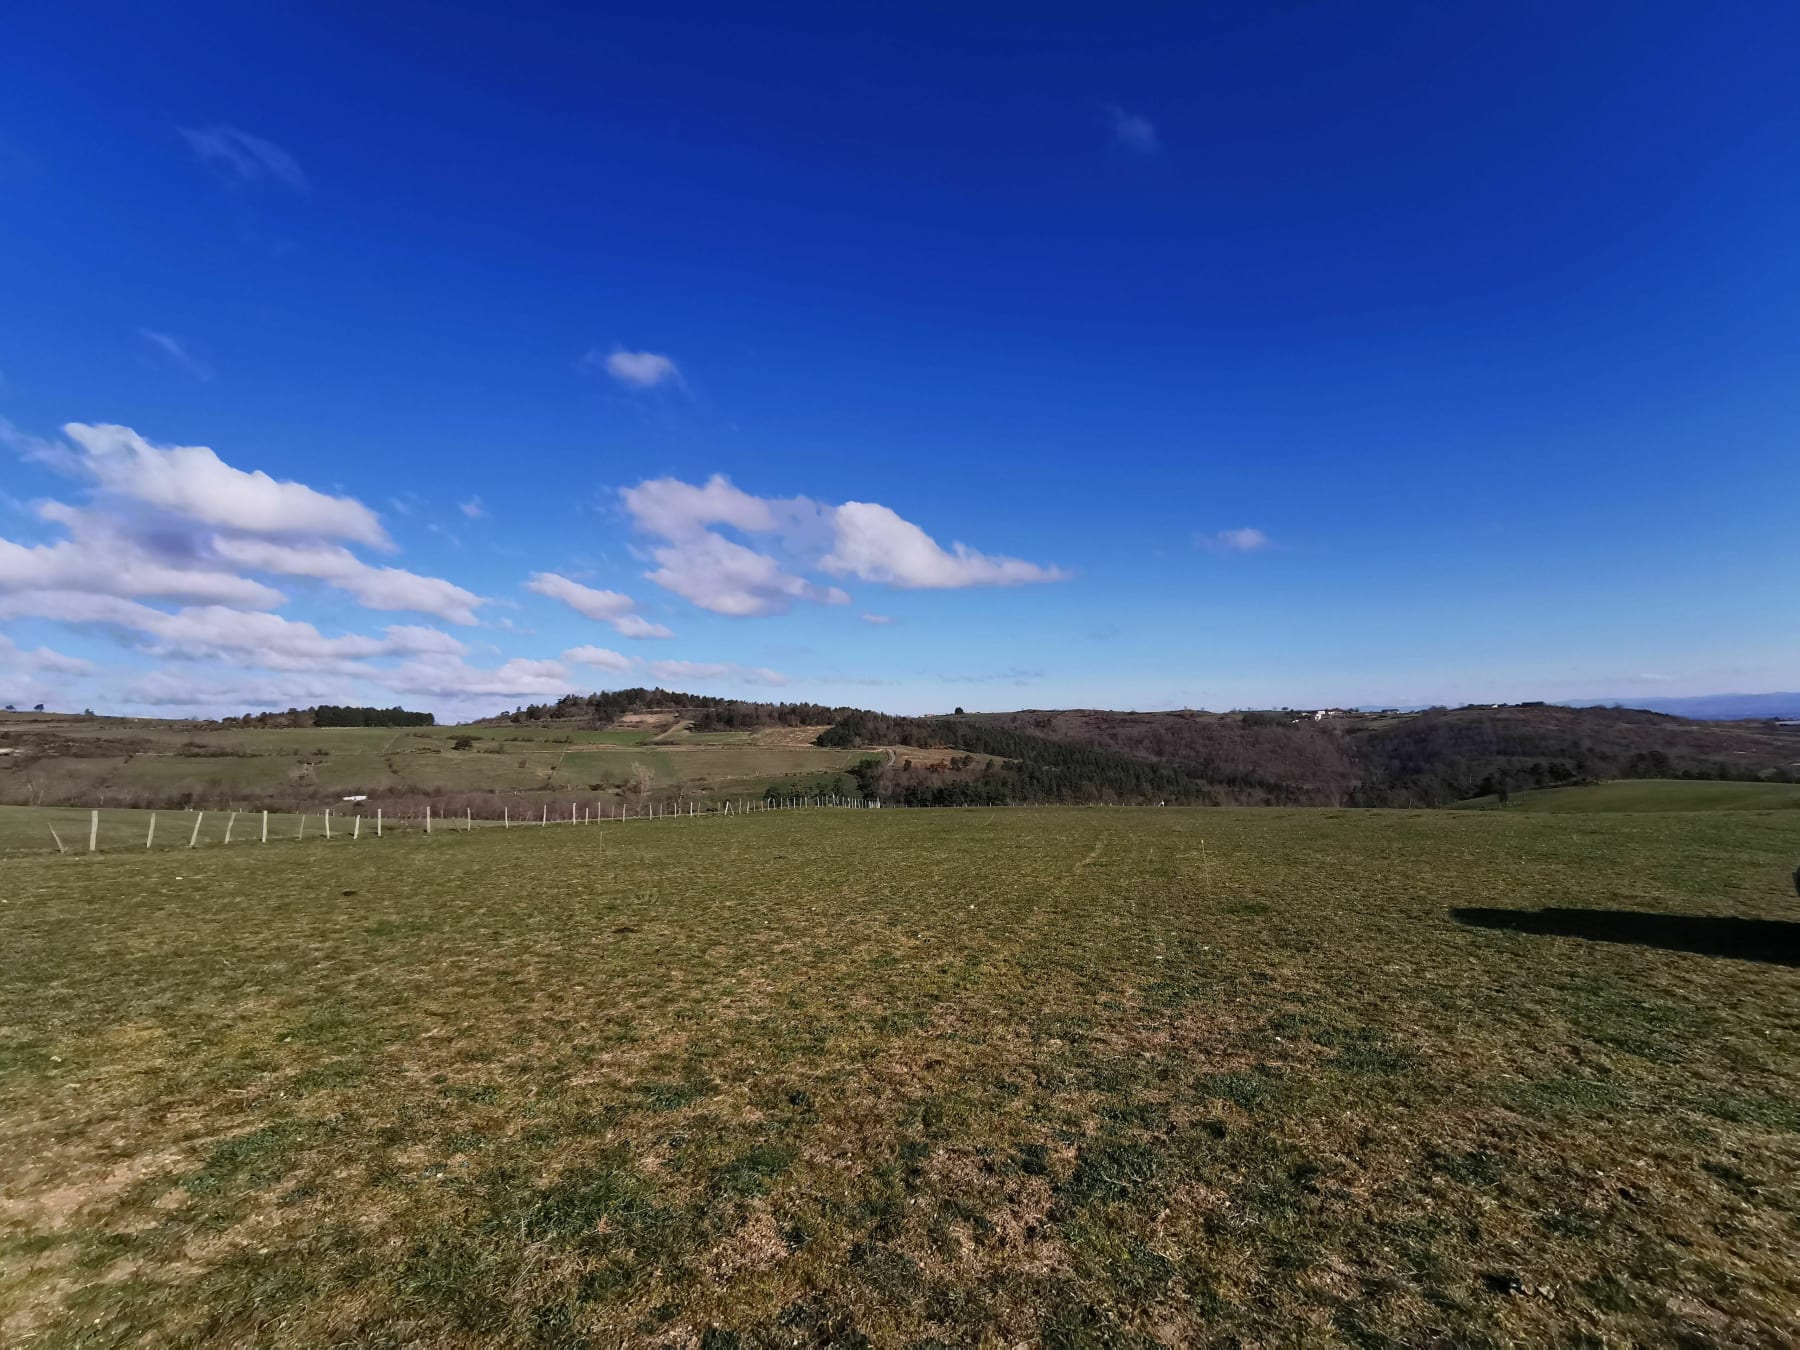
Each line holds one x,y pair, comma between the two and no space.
876,544
451,678
1132,131
193,482
40,660
178,523
863,539
103,559
249,158
1245,540
381,588
599,658
725,577
639,370
175,350
674,509
614,607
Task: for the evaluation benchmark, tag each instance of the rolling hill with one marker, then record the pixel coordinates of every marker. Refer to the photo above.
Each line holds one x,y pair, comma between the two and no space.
653,744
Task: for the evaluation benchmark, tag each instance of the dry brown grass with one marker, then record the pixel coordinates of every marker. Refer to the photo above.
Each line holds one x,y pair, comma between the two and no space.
1060,1077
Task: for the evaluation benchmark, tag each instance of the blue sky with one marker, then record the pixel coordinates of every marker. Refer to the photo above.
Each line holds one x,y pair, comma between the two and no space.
1133,357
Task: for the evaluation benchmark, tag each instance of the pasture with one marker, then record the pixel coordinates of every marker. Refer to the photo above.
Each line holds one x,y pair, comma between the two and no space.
121,762
1071,1077
1651,794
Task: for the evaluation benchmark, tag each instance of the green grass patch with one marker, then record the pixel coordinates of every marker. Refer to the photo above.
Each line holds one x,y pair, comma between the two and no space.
902,1078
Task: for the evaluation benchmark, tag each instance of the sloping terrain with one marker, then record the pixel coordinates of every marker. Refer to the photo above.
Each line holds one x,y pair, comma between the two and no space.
1428,758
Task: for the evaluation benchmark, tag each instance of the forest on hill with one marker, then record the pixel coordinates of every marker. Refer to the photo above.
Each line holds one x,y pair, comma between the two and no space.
1271,757
1422,759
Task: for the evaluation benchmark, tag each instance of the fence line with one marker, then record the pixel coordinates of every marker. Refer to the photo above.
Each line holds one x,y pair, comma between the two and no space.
102,823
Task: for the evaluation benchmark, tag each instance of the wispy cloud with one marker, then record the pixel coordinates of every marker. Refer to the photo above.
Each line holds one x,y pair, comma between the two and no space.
638,370
614,607
249,158
1244,540
615,663
472,508
177,353
878,618
1132,131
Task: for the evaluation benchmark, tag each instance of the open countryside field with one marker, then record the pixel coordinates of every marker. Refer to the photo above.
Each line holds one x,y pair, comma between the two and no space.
1651,794
1077,1077
102,761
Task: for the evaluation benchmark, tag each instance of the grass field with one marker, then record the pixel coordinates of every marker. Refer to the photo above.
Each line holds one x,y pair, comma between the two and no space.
1102,1077
171,765
1651,794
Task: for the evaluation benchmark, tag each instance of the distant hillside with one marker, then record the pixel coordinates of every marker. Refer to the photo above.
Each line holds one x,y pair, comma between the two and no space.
1711,707
1429,758
633,745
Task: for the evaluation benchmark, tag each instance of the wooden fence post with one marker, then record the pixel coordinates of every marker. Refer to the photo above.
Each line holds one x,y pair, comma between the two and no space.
230,820
93,831
265,829
356,829
428,818
54,835
150,838
378,822
328,822
194,838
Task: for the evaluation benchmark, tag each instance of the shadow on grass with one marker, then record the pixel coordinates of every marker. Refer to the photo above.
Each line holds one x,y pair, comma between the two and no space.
1775,941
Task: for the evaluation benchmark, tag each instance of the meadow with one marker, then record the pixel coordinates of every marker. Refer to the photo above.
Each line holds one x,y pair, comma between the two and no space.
1060,1076
145,763
1650,794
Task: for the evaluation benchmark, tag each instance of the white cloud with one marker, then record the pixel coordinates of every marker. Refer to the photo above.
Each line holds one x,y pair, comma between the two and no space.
715,670
174,693
599,658
249,157
612,607
180,524
449,677
640,370
102,559
381,588
1133,132
858,538
247,638
673,509
472,508
876,544
1245,540
193,482
176,351
878,618
39,661
727,578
